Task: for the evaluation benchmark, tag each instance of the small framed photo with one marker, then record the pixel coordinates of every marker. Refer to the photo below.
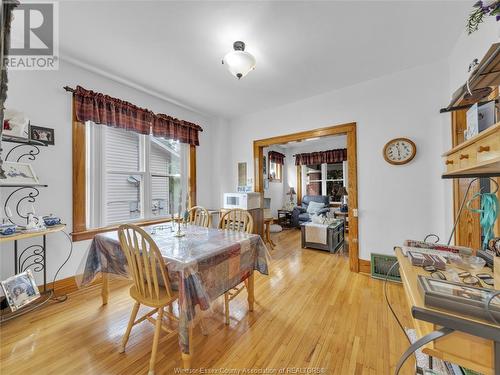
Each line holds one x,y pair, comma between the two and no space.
19,174
45,135
20,290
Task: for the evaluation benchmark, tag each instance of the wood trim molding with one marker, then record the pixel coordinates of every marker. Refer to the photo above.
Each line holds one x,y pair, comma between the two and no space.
299,185
348,129
89,234
79,180
192,176
80,231
365,266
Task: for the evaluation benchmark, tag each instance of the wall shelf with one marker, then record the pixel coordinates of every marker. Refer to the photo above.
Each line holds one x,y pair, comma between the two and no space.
482,81
23,141
476,157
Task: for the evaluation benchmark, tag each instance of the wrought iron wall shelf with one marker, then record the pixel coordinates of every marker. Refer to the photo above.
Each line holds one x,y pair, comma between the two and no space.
34,257
24,141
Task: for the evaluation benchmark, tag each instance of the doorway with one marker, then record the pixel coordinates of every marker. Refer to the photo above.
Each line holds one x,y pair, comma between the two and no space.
348,130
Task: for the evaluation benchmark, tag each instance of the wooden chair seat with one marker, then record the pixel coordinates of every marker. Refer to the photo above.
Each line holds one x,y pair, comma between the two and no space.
163,298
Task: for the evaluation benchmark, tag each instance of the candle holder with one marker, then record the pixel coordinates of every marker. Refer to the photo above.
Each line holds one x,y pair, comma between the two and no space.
179,232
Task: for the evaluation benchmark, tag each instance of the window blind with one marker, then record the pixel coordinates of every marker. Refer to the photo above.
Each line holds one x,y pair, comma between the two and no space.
122,189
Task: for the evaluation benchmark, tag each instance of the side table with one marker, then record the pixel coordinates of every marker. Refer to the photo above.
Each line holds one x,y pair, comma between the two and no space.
285,218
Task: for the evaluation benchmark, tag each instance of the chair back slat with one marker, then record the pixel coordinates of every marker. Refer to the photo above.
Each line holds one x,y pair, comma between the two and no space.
237,220
145,263
199,216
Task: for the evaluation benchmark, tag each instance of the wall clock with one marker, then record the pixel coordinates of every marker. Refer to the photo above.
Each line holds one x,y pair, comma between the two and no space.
399,151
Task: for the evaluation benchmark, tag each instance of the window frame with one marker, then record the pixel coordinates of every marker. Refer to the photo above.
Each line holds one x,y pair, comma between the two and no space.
80,193
279,167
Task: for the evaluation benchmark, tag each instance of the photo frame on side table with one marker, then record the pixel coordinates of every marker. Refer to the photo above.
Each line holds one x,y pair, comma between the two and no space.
20,290
19,174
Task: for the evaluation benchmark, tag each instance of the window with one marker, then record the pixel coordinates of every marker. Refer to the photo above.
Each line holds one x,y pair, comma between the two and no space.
325,179
275,171
132,177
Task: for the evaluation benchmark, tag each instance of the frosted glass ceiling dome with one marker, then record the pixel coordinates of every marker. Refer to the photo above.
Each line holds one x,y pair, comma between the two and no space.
239,62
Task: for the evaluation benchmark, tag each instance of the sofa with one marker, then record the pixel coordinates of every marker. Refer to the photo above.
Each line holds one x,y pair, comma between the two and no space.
300,214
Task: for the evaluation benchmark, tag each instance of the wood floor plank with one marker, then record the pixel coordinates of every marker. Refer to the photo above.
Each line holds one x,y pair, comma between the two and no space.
310,312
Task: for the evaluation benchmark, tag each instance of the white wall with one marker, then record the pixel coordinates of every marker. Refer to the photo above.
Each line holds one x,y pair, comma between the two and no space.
395,202
41,96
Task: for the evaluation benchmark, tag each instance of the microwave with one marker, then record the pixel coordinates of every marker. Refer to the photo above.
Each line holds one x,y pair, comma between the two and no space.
245,201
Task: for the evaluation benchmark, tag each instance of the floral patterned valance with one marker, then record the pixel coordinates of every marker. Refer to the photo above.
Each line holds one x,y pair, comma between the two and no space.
106,110
330,156
276,157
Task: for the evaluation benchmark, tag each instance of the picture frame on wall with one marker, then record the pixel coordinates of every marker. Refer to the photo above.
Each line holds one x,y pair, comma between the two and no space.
242,174
19,174
44,135
20,290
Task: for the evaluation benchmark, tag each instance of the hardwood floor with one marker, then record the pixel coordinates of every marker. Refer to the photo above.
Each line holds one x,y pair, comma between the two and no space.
311,312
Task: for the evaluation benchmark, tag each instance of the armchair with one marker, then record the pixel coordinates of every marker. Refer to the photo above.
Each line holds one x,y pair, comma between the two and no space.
299,213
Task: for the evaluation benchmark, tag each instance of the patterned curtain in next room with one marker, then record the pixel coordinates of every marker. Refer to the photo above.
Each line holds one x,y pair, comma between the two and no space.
320,157
276,157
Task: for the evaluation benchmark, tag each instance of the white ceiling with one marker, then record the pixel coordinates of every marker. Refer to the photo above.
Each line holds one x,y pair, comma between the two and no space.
302,48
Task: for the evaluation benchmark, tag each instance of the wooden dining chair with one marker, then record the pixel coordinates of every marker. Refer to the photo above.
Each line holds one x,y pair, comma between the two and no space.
241,221
151,284
199,216
238,220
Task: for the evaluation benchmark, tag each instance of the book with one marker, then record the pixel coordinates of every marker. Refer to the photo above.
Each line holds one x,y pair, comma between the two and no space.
422,260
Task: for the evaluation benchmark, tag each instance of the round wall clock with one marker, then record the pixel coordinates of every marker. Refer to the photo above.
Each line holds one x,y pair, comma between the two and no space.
399,151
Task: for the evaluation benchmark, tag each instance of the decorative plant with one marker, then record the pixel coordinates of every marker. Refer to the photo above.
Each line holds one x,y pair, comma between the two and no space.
479,12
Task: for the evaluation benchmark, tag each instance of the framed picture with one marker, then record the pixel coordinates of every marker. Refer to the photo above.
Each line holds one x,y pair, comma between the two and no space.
456,297
19,174
242,174
20,290
15,124
45,135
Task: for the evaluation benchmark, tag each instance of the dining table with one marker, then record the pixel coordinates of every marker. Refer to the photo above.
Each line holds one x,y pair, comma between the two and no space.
203,264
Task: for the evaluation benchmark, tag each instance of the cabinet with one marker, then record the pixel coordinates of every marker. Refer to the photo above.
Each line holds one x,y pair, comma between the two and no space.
476,157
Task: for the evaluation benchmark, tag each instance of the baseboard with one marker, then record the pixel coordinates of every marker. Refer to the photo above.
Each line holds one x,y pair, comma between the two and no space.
364,266
67,285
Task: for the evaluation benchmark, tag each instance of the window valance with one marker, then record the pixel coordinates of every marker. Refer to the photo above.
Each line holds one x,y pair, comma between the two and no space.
276,157
329,156
106,110
172,128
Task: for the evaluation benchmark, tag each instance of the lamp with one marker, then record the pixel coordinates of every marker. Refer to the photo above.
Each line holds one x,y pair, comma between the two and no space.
291,192
342,191
239,62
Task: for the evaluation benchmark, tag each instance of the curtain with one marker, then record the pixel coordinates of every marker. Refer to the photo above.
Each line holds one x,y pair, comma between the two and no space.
172,128
276,157
5,22
106,110
329,157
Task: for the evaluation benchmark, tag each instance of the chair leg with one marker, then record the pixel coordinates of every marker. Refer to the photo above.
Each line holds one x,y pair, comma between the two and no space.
156,338
131,321
226,307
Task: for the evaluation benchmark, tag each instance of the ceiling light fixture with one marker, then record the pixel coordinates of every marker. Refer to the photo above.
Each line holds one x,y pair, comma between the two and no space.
238,62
